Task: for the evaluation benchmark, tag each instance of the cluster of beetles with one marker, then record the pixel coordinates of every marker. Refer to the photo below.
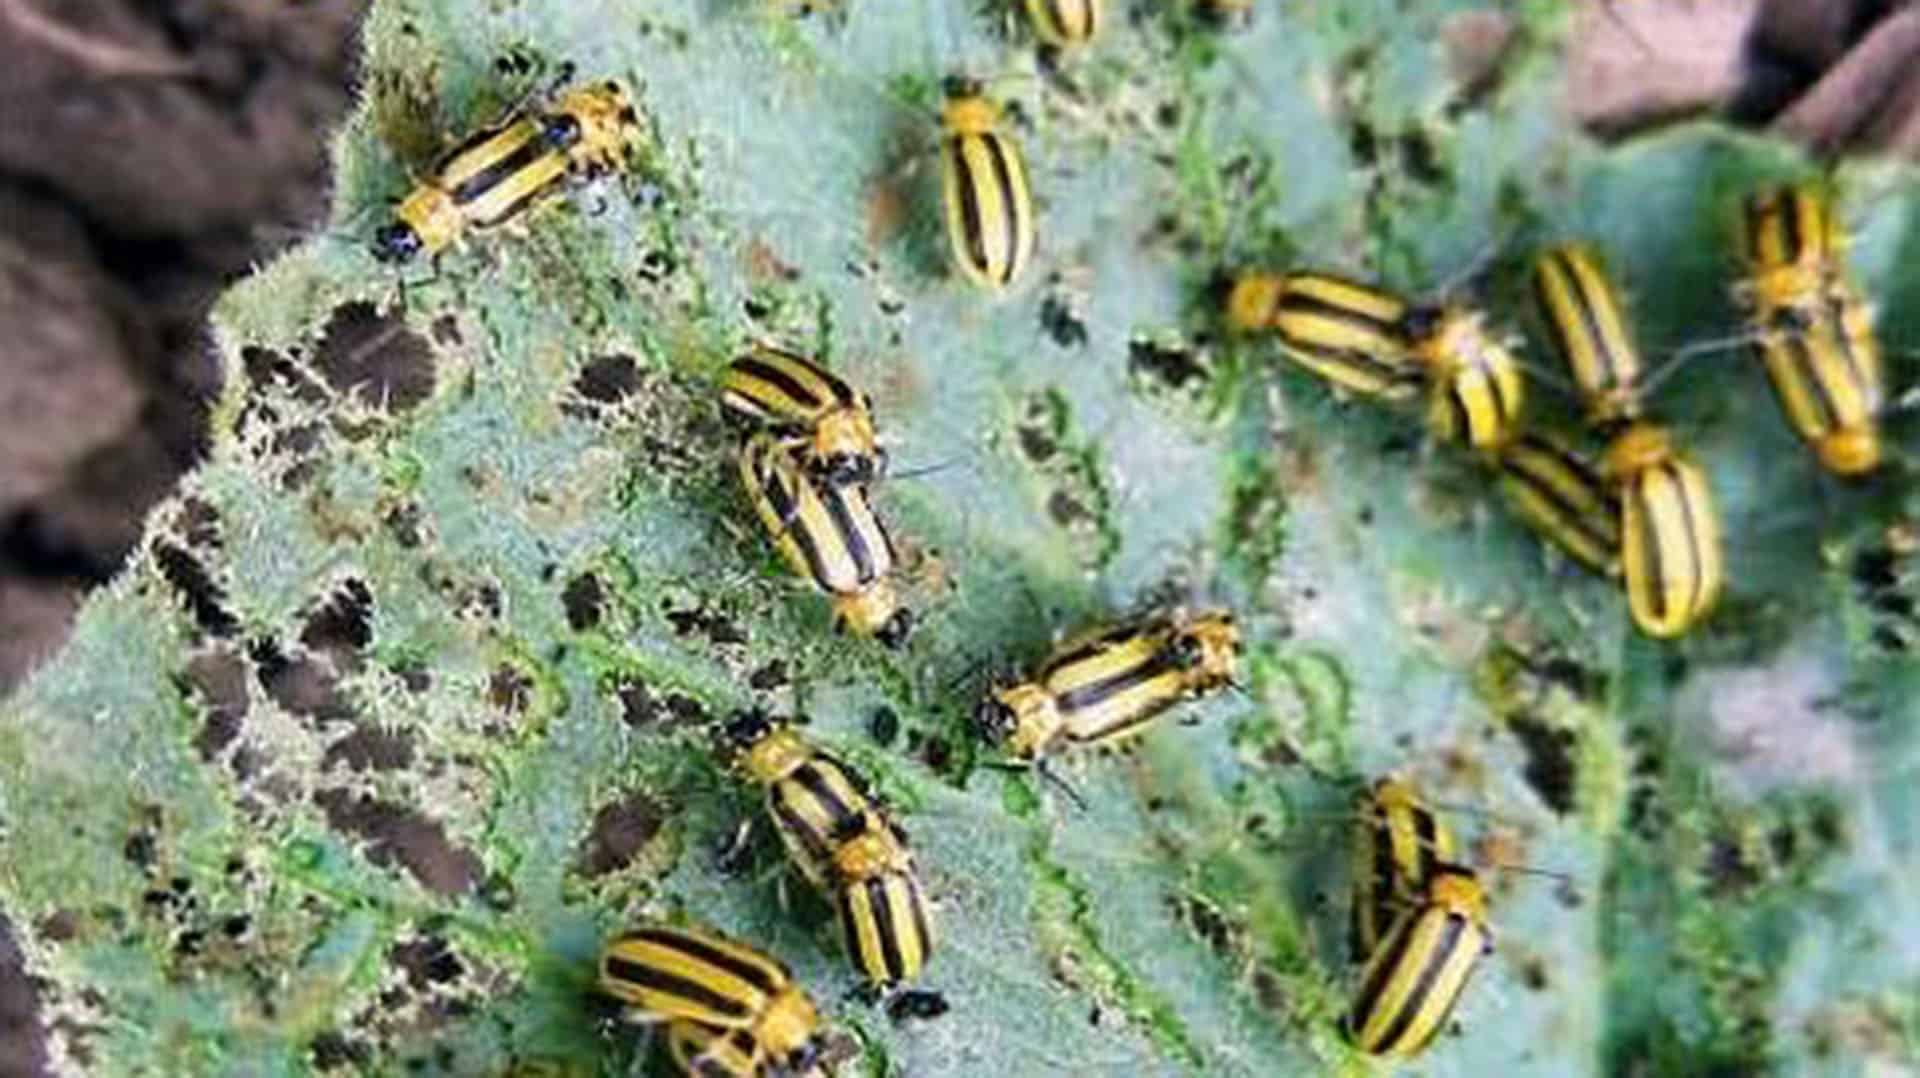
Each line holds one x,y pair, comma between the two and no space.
810,455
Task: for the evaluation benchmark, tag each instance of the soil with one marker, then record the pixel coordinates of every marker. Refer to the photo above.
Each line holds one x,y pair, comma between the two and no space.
152,151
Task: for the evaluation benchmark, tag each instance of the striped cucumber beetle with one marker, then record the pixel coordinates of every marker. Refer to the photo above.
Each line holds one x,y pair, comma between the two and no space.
988,201
1588,325
1562,496
1375,344
707,1052
1823,361
1106,686
1476,391
1812,330
1066,23
1398,846
599,124
1670,550
808,407
831,536
1345,332
1791,246
845,844
1419,971
1420,922
498,172
668,974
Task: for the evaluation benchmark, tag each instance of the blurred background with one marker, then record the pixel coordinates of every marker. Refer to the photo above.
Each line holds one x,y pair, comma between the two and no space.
153,151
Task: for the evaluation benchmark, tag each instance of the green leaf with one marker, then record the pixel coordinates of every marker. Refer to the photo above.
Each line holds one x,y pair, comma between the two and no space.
403,705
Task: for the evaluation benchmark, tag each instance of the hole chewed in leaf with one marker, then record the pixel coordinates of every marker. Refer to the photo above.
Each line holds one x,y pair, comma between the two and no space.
206,602
584,599
510,690
218,677
716,626
19,1000
427,961
397,835
1550,768
620,830
769,677
608,379
269,371
333,1051
343,625
366,354
199,524
641,708
300,684
1168,365
1063,324
370,748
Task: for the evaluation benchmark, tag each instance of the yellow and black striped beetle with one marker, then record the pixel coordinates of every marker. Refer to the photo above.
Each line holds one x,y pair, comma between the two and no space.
831,536
1824,365
1475,387
1813,332
807,406
1348,333
1420,969
1791,246
1106,686
667,974
497,173
1588,324
1373,343
1399,844
706,1052
1066,23
844,843
1562,496
984,188
1670,548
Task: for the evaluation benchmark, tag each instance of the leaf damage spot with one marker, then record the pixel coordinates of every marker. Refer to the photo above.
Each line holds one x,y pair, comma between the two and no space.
406,523
621,829
341,626
1078,499
602,384
585,601
1550,768
333,1051
1172,366
217,678
300,684
205,600
270,373
1883,582
427,961
643,709
370,748
366,354
398,835
1063,314
716,627
510,690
